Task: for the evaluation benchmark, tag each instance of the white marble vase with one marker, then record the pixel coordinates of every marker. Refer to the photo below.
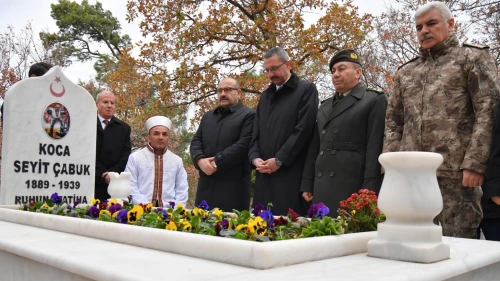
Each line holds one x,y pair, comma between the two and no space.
119,185
410,198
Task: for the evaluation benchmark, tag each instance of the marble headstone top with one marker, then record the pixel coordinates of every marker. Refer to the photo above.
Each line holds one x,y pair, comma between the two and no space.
49,140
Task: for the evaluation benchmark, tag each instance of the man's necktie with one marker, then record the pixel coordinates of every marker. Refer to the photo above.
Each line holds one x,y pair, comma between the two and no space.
106,123
337,98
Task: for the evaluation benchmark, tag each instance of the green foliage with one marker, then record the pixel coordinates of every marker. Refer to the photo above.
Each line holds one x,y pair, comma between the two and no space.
326,226
80,27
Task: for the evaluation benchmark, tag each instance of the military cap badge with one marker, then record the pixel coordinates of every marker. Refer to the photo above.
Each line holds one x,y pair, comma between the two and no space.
344,55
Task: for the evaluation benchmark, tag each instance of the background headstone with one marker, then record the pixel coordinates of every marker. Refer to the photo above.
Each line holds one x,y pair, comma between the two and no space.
49,139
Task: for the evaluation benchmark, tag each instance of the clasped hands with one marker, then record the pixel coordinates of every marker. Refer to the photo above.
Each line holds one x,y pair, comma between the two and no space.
207,166
266,167
106,177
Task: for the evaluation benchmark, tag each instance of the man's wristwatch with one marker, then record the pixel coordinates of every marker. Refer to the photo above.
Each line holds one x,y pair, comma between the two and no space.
278,162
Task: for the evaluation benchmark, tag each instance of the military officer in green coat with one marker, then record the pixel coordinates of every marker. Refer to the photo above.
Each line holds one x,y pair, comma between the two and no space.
348,137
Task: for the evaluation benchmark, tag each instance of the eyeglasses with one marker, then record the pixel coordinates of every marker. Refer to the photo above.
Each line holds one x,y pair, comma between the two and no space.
222,90
274,68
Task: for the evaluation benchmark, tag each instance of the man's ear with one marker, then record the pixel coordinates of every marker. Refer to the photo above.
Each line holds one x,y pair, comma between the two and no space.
359,72
451,24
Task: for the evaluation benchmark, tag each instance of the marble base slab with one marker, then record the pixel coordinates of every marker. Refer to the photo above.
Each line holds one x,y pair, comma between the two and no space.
405,243
232,251
46,253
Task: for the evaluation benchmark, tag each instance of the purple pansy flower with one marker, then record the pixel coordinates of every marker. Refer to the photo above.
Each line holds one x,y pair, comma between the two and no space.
203,205
172,204
56,199
115,208
224,223
70,208
269,217
93,212
164,212
257,210
77,202
323,211
314,210
122,216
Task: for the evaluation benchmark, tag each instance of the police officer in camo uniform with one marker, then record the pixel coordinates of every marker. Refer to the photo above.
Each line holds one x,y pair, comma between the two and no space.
444,101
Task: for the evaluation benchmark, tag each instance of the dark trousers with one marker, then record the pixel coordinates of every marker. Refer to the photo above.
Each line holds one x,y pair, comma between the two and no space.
490,228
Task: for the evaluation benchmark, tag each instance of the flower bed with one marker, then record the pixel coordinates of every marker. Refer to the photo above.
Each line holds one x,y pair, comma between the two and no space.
357,214
242,226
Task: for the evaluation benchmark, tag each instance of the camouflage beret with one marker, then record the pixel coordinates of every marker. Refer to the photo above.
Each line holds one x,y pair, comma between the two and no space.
344,55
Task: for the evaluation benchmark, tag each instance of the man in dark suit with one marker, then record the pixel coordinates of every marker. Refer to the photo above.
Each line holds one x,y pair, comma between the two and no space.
219,150
348,137
282,130
113,143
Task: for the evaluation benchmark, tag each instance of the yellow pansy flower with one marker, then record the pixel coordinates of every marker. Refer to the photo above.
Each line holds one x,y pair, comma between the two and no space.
257,225
185,225
200,212
353,212
218,213
45,206
179,205
95,202
260,222
149,207
171,226
113,202
134,214
242,227
102,212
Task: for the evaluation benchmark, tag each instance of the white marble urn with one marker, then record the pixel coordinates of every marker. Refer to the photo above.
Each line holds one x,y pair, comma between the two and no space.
119,185
410,198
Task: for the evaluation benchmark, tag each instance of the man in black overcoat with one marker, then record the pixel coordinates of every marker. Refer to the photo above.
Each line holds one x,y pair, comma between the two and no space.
219,150
113,143
348,138
283,128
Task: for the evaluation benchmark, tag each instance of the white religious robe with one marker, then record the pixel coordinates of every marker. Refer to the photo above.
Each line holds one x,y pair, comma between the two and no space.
157,176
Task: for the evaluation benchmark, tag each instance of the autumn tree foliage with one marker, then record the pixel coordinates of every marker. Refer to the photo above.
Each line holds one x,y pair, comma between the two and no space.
193,44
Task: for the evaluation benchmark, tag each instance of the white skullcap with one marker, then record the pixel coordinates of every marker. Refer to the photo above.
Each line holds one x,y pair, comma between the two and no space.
158,121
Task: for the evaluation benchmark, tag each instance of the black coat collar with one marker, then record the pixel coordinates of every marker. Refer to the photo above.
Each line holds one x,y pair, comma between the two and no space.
355,95
230,109
292,83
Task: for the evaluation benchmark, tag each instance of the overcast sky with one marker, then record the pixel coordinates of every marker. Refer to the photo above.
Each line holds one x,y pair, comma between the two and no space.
17,13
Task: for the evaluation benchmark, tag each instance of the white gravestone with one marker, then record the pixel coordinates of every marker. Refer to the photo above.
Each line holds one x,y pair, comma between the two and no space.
49,139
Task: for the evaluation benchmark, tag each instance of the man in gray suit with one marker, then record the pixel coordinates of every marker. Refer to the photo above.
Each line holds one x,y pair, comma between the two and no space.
348,137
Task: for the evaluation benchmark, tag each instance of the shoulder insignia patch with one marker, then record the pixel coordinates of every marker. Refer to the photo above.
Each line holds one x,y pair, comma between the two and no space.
371,89
467,44
413,59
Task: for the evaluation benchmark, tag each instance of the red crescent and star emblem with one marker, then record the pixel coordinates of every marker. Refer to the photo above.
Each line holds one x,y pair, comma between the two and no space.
60,94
